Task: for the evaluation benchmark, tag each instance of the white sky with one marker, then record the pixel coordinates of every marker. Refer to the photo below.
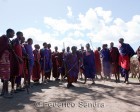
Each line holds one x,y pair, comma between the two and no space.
73,22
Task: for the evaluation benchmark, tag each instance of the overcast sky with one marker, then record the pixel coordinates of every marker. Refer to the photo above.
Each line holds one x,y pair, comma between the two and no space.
73,22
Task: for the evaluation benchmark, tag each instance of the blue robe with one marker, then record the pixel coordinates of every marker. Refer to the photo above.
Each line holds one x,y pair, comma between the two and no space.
72,67
29,52
126,51
89,64
46,63
105,55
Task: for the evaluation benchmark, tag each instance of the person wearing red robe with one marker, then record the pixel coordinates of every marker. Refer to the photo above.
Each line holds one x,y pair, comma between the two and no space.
114,58
25,61
36,67
126,52
16,72
98,62
56,64
5,53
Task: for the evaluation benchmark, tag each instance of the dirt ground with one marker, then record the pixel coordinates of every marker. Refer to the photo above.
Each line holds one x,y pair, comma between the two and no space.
104,96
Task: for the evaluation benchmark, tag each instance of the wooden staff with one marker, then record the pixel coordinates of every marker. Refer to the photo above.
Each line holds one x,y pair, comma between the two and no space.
44,62
91,44
25,80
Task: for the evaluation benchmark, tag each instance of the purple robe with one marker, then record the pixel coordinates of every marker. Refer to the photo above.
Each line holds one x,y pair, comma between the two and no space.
105,55
126,52
29,52
126,49
46,63
89,64
72,67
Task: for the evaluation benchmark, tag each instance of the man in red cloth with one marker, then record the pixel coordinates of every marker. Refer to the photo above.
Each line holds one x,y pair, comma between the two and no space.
114,55
98,62
36,67
16,72
5,52
56,64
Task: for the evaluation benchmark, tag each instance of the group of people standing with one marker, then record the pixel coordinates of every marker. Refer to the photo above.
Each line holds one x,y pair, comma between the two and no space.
18,60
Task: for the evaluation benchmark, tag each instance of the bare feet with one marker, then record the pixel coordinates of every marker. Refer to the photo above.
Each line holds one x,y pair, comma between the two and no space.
127,82
84,82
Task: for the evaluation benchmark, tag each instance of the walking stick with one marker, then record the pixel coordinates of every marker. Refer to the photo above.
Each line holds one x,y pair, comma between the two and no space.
63,45
81,60
27,81
43,72
91,44
64,62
